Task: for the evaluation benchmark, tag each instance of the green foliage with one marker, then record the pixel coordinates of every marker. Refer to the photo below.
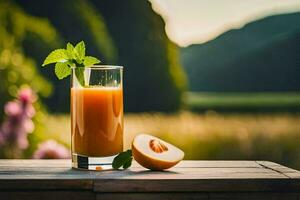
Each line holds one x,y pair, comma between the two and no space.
16,69
123,159
70,57
62,70
58,55
153,77
79,52
94,22
261,56
90,60
244,102
74,20
129,34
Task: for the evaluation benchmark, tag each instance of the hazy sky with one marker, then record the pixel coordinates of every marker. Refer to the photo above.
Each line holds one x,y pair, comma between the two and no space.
197,21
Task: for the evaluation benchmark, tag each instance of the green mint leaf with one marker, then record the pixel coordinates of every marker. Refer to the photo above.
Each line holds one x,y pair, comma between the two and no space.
90,60
128,163
79,72
70,51
79,52
71,57
58,55
70,47
122,159
62,70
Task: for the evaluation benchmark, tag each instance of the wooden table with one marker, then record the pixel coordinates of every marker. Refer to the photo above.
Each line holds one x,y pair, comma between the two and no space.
54,179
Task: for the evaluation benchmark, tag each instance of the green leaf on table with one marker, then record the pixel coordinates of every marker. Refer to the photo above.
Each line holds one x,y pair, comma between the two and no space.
90,60
127,164
122,159
58,55
62,70
79,52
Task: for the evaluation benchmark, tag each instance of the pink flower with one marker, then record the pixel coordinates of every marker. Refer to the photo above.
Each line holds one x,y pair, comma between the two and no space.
22,141
28,126
26,95
29,111
12,108
51,150
18,123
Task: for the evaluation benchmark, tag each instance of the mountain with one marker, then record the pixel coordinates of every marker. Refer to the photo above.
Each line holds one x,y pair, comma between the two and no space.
263,55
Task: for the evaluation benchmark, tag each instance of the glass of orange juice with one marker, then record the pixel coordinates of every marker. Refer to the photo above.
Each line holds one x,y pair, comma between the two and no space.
96,116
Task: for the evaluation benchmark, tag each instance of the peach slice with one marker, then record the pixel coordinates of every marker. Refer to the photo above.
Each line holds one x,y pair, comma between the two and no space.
154,153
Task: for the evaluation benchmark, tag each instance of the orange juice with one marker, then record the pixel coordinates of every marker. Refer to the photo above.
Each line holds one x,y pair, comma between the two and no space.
97,121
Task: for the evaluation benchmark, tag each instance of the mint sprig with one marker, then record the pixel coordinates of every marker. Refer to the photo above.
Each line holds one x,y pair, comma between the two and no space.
123,159
71,57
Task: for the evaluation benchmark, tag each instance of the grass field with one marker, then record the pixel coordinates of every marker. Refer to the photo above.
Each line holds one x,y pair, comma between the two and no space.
244,102
210,135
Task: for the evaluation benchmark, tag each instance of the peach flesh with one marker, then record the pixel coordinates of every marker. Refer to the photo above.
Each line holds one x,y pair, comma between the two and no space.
155,154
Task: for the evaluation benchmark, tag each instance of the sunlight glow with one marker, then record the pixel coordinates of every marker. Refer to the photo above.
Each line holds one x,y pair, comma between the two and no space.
198,21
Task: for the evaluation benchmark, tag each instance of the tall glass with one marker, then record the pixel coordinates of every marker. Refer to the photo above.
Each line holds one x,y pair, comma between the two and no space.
96,116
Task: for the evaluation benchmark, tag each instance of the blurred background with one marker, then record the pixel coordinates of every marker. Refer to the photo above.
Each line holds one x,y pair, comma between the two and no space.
220,79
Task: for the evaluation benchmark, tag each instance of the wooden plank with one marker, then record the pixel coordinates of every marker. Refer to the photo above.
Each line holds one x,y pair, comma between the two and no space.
192,173
44,178
189,176
42,184
48,195
198,196
35,163
151,196
55,172
291,173
138,173
187,163
196,185
213,164
253,196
